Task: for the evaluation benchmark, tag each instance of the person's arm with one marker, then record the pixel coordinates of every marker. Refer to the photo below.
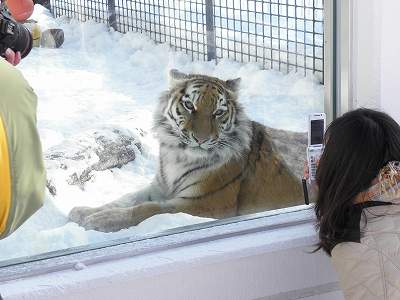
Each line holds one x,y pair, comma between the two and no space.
22,171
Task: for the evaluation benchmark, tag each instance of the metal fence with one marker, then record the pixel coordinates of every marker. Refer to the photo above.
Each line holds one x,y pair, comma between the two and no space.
279,34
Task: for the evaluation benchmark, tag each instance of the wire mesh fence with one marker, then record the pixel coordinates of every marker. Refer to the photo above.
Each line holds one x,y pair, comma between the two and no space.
284,35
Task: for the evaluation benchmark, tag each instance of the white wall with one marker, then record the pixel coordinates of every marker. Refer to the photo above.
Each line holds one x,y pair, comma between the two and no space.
366,53
390,57
376,55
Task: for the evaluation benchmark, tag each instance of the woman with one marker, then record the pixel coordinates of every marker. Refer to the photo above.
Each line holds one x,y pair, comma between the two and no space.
357,208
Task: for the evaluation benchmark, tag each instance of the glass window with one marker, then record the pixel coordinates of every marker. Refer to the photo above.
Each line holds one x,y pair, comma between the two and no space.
161,114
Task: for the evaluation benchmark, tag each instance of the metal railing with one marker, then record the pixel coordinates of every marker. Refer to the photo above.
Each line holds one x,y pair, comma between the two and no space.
284,35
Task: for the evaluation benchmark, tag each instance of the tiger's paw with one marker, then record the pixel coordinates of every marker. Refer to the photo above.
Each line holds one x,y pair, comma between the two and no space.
80,213
109,220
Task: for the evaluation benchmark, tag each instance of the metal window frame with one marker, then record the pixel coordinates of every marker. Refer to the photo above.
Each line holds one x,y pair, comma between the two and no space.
330,60
337,60
338,57
344,48
72,258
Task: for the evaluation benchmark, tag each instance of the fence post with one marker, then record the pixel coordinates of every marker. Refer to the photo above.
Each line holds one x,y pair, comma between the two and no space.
112,17
211,42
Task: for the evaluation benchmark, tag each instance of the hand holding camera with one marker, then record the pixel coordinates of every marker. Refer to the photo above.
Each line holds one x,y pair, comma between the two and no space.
12,57
15,37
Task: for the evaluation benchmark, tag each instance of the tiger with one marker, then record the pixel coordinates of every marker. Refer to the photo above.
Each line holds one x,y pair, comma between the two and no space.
213,160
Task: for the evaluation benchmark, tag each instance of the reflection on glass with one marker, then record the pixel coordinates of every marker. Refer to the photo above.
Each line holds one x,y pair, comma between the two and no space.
179,149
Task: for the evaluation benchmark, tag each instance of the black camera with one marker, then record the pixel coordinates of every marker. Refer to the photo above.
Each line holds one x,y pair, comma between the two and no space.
13,35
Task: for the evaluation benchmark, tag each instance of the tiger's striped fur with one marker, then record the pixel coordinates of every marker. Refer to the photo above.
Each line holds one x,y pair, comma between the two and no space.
214,162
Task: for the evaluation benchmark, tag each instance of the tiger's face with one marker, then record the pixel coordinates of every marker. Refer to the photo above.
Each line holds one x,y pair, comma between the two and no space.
201,115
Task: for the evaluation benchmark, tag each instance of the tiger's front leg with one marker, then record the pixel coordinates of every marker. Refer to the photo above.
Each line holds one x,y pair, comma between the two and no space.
80,213
115,219
207,207
219,204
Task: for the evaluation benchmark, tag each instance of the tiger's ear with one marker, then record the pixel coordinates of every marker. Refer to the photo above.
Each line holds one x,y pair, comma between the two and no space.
233,84
176,77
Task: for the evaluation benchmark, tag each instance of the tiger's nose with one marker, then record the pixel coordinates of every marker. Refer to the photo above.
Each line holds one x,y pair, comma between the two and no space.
199,140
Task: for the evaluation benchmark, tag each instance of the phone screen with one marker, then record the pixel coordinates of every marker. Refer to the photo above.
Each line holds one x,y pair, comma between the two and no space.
317,132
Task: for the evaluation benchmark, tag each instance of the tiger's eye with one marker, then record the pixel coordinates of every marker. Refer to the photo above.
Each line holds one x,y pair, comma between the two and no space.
188,105
218,112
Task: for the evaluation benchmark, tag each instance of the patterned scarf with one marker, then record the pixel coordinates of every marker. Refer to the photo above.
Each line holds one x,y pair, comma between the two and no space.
388,186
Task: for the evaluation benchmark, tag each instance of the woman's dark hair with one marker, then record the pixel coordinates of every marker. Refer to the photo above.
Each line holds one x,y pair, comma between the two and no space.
357,145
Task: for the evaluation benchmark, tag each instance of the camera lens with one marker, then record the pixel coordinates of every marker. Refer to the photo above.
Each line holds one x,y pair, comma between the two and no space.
23,40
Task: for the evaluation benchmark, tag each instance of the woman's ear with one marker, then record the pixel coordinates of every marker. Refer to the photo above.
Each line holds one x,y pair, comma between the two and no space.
233,84
176,77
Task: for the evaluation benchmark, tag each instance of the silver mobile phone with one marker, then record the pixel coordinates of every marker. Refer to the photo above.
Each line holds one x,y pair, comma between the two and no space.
316,130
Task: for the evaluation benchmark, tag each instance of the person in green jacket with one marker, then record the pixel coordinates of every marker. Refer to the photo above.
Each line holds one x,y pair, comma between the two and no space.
22,172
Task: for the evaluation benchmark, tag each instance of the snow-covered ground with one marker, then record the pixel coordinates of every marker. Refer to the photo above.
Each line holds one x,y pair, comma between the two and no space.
101,79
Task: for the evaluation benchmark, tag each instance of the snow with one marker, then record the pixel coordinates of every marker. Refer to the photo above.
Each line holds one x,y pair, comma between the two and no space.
101,79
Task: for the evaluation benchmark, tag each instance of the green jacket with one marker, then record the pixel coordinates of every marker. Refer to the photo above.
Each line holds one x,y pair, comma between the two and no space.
22,172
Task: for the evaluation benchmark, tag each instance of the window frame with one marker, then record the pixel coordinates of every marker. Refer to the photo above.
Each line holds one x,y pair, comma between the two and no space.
122,248
338,57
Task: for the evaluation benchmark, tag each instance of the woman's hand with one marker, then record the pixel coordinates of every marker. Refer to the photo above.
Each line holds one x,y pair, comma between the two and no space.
12,57
312,186
306,174
306,170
